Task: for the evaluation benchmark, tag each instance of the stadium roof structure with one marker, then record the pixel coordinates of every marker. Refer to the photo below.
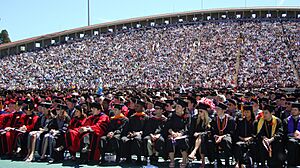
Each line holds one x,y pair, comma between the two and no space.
209,15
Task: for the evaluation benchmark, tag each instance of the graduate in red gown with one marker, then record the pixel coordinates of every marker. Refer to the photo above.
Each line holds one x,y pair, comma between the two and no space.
90,133
12,121
72,135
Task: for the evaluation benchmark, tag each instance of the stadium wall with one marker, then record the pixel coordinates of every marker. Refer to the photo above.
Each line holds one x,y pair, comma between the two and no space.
211,15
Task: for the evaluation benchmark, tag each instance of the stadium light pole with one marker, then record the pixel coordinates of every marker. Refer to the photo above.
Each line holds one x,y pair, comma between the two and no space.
88,12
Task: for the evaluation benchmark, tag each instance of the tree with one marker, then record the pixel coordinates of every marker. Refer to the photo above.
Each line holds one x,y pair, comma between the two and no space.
4,37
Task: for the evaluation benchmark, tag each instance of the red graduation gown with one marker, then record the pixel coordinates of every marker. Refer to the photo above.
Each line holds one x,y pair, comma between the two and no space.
98,123
14,121
73,135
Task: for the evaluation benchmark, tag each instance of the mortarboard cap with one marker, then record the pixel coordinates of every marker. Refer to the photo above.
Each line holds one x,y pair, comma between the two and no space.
296,105
268,107
202,106
248,107
222,106
159,104
95,105
181,102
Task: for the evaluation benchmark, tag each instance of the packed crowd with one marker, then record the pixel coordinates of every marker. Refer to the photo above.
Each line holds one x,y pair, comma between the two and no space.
256,127
203,55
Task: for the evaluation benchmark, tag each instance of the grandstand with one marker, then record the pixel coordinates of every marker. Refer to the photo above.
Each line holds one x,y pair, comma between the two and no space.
204,71
239,39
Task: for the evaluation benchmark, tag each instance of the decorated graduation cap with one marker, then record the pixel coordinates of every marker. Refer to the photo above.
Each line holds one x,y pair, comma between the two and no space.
181,102
296,105
222,106
202,106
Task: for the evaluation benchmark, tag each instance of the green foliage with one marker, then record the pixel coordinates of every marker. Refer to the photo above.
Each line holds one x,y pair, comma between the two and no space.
4,37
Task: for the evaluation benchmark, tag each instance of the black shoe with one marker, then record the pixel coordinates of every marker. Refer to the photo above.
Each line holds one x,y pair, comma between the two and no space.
155,159
128,160
42,159
139,161
102,161
227,163
219,162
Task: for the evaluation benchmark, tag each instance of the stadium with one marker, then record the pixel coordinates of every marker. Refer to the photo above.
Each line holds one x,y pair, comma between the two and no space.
202,88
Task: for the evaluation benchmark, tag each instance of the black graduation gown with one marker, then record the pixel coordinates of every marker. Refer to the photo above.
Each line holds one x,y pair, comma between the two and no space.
292,144
200,128
177,124
134,145
277,145
155,126
243,129
117,125
61,125
228,130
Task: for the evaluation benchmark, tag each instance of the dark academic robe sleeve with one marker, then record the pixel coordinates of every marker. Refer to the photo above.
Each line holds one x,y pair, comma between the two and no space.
124,130
279,131
122,123
53,124
192,129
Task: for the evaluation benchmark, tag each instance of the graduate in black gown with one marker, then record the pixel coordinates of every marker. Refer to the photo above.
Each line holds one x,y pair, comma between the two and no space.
244,134
154,141
132,139
111,142
222,130
291,127
232,109
176,133
269,134
200,130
